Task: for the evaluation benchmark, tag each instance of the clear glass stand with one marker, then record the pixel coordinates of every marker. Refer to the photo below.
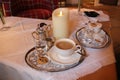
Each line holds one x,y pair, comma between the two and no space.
5,28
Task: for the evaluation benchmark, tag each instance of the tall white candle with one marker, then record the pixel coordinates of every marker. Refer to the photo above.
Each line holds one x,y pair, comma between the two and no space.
60,19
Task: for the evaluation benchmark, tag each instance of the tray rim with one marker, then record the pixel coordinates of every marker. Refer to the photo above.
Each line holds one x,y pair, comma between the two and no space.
76,64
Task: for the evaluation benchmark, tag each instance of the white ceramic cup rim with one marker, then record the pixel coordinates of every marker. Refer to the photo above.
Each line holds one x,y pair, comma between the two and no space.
67,40
65,52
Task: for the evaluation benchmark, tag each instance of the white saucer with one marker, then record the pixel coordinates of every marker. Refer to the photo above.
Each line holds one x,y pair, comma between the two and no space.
64,60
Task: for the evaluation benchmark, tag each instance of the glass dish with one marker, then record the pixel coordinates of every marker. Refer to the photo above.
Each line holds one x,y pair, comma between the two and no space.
89,38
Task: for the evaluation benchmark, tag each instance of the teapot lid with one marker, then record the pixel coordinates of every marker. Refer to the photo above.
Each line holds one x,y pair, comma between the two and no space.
40,27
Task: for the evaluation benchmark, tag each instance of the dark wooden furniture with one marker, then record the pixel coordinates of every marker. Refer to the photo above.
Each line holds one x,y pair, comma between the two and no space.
109,2
41,9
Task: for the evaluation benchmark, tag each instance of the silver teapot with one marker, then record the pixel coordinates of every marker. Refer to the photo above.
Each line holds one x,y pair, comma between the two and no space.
42,38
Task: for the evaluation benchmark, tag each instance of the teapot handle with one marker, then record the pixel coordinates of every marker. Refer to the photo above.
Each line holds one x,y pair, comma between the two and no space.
35,35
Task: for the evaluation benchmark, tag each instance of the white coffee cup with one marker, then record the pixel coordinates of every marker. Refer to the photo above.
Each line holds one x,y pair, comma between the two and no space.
64,47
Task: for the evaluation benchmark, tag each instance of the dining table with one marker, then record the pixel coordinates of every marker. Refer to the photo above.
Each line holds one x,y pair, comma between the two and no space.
15,42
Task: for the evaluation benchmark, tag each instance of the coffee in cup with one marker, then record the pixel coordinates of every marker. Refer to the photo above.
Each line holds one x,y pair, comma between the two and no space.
64,47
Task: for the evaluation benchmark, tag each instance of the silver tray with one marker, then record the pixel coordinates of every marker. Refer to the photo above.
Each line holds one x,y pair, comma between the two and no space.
80,38
51,66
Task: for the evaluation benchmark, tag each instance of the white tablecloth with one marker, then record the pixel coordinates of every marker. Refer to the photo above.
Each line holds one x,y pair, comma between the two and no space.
15,43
